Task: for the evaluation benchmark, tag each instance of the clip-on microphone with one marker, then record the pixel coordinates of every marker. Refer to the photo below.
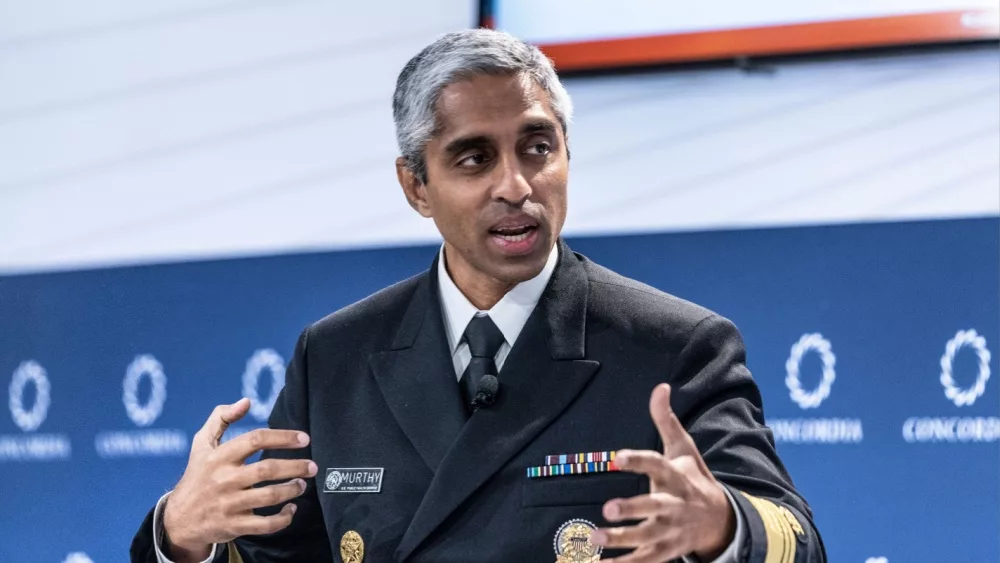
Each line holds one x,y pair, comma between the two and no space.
486,392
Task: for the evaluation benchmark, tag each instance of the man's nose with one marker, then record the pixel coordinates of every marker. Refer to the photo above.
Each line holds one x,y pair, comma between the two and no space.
511,186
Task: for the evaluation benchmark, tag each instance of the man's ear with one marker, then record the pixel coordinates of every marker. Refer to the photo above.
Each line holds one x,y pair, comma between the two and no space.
413,188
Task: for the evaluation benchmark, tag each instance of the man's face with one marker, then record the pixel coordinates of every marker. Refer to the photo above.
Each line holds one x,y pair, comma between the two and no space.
497,170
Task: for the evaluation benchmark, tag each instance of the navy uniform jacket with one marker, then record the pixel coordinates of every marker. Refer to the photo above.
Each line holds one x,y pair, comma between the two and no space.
374,386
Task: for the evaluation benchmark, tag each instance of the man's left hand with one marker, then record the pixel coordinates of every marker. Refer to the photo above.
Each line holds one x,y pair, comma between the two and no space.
686,511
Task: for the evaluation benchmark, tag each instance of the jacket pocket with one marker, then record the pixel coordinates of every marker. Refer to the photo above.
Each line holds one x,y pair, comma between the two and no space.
570,490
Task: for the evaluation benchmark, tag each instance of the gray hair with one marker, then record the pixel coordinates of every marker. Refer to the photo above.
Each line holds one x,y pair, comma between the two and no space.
454,57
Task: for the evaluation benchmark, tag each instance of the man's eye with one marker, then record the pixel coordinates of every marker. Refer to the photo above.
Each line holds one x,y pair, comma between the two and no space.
539,149
473,160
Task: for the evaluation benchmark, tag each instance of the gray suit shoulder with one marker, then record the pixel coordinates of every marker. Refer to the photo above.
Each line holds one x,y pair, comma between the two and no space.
646,315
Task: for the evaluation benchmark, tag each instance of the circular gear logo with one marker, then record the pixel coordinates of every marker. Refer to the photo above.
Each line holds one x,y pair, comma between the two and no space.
144,366
263,360
816,343
965,339
333,480
30,372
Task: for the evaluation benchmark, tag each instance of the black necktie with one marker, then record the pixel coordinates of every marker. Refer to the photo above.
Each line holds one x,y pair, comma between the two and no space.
484,340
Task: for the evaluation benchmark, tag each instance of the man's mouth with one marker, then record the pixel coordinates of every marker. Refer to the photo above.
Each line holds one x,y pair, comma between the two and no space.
514,233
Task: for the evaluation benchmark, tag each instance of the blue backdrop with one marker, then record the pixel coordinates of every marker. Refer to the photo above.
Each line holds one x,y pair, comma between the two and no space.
890,431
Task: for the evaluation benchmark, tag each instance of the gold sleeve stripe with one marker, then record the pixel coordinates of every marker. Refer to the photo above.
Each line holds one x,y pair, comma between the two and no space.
234,556
775,543
792,521
779,528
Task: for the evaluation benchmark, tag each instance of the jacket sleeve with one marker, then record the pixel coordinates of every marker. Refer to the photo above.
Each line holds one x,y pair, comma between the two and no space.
142,549
719,404
305,539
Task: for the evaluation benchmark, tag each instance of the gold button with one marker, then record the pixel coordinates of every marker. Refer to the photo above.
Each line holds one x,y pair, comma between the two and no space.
352,547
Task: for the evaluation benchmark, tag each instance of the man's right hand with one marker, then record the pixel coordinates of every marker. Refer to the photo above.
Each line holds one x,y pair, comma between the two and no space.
214,500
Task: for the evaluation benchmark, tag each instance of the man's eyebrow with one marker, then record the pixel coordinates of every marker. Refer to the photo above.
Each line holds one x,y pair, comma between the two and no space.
475,141
538,127
464,143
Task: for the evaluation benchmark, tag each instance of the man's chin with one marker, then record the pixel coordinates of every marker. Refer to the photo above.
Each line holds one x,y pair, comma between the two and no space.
517,269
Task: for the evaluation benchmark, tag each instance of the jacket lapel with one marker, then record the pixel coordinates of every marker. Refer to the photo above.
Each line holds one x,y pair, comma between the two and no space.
542,375
417,376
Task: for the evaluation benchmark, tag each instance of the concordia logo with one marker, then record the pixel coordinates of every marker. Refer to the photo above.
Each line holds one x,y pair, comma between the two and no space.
955,428
813,430
263,360
152,442
266,359
32,447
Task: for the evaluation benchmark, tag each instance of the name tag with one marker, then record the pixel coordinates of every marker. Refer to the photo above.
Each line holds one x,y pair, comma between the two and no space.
353,480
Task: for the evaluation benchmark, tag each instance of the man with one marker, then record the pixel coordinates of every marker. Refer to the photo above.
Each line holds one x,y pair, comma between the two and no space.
435,411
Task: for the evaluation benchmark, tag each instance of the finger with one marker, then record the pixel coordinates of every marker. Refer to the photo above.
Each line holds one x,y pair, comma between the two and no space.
659,552
274,470
649,463
640,507
647,532
269,495
666,421
244,446
221,418
675,438
259,525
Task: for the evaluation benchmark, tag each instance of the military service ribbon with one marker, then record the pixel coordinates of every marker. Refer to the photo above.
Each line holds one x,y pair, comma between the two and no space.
579,458
574,464
572,469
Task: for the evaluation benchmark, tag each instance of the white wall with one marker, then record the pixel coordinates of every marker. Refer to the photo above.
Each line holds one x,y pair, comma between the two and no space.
908,137
136,132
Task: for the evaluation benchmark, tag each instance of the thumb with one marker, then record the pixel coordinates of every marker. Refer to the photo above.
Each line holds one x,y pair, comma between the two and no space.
221,418
671,431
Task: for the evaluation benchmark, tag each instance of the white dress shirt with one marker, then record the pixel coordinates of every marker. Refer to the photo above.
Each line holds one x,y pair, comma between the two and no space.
510,315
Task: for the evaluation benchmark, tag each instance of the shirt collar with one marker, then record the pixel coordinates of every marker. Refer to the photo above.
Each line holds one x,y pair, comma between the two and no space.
510,313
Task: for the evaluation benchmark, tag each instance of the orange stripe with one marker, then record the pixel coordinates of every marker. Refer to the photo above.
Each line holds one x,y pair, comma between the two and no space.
773,40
